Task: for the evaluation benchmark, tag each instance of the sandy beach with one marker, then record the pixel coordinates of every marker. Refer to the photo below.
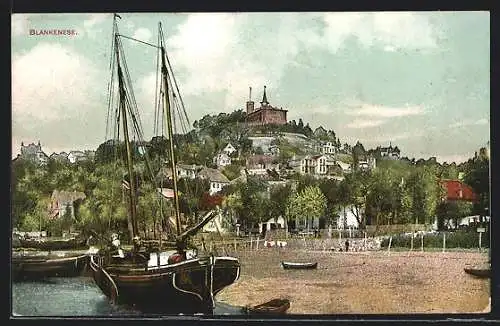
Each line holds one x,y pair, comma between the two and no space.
362,282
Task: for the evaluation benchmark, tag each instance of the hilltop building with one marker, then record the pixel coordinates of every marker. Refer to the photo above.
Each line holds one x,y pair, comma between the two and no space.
265,114
34,153
390,152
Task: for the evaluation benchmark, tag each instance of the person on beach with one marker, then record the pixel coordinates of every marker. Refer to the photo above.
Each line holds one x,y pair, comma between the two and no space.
347,245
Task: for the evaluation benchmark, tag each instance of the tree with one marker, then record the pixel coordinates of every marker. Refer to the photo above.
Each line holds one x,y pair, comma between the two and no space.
306,206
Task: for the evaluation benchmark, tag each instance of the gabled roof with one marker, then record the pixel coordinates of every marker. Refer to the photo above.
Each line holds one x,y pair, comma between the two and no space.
213,175
457,190
67,196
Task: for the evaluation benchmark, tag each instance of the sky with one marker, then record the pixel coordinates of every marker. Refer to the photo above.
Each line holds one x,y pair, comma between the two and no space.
418,80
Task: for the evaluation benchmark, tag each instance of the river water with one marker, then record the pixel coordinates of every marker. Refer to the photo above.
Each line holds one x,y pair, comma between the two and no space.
75,297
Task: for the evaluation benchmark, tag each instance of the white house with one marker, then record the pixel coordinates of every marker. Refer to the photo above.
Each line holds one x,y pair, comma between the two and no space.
188,171
259,164
222,159
368,164
229,149
75,156
327,148
216,178
346,219
272,224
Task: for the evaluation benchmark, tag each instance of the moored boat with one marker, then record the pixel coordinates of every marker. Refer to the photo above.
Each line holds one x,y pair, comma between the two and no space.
183,284
479,272
291,265
52,244
274,306
32,266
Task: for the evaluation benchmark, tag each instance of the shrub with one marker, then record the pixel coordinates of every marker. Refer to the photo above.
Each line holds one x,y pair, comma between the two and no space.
457,239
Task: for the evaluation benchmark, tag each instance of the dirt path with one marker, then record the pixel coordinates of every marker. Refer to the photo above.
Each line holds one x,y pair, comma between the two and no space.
362,282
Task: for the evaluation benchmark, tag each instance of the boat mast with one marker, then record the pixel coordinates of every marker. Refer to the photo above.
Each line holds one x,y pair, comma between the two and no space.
122,101
168,122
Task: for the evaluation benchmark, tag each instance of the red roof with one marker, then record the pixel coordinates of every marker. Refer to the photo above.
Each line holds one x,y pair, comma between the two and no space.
457,190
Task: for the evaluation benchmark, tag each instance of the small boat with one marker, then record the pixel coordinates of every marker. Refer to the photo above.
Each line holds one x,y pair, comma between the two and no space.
479,272
290,265
53,243
36,266
275,306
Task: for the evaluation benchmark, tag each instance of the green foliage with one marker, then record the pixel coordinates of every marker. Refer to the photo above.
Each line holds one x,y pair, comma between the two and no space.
306,205
458,239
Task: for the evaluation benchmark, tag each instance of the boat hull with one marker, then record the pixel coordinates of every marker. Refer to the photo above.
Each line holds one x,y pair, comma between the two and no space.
53,244
479,272
32,267
289,265
186,287
275,306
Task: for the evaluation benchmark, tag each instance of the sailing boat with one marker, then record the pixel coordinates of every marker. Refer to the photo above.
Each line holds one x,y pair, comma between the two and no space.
184,284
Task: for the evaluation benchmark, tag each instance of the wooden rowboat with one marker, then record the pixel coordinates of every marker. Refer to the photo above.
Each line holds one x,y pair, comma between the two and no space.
35,267
290,265
479,272
275,306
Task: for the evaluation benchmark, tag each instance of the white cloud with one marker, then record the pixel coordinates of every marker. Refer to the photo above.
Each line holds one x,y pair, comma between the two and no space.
92,25
142,34
384,111
390,30
361,123
207,47
461,124
49,81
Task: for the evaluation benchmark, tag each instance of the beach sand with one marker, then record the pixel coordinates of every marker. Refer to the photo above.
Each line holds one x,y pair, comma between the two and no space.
361,282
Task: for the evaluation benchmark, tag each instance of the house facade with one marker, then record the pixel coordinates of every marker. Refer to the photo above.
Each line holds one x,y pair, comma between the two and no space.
229,149
327,148
265,114
76,156
260,164
390,152
62,202
216,178
33,152
221,160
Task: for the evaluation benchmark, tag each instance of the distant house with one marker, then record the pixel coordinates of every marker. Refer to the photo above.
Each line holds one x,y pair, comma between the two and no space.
76,156
272,224
260,164
316,164
222,160
346,219
216,178
368,164
62,201
327,148
229,149
188,171
390,152
346,167
33,152
60,157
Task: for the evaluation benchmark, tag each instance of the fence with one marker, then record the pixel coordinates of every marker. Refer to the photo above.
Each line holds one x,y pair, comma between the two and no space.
444,240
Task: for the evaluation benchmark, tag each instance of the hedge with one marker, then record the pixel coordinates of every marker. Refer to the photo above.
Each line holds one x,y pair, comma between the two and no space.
457,239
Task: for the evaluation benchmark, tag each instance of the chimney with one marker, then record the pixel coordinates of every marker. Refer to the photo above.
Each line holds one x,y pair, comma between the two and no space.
250,103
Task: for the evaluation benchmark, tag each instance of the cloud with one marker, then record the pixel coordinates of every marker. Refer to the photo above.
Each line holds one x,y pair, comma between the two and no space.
461,124
390,30
52,93
92,25
368,110
228,52
360,123
142,34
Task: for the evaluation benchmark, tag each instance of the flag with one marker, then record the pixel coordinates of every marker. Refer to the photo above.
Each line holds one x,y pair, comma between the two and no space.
116,15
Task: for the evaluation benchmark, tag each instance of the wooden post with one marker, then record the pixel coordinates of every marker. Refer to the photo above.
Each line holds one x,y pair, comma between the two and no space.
365,244
251,241
411,242
480,233
422,242
257,246
234,245
389,248
444,242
